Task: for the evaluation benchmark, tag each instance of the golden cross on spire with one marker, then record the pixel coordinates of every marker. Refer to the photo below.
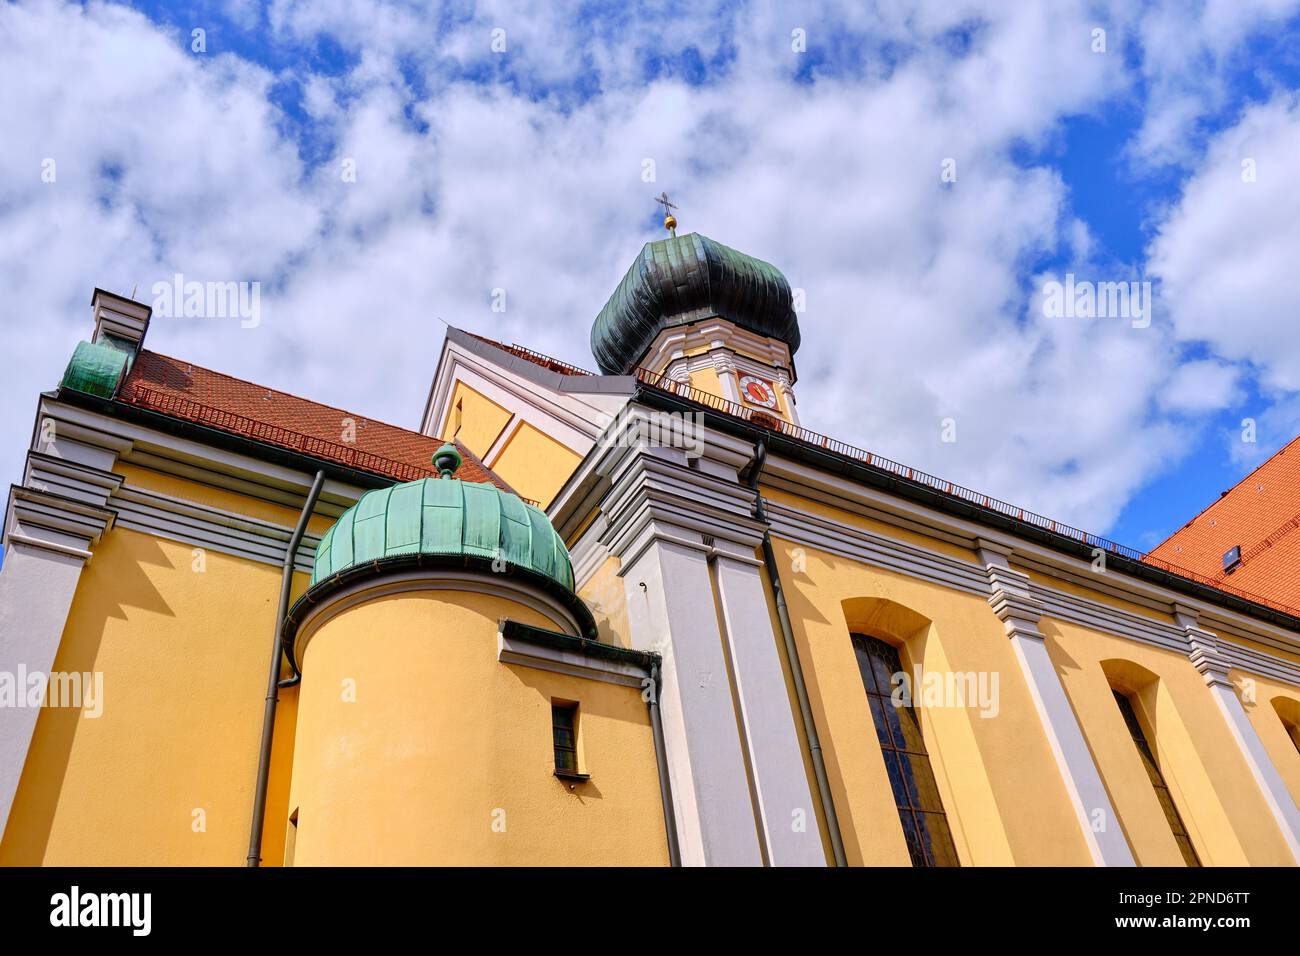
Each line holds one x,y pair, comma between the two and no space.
670,221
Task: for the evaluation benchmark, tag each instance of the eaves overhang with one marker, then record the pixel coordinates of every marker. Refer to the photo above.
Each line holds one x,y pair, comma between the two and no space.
860,472
226,441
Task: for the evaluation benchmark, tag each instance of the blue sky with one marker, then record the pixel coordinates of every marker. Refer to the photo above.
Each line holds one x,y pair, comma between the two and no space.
505,146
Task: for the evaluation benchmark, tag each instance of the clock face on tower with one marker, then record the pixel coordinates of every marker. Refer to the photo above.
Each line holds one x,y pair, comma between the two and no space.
756,391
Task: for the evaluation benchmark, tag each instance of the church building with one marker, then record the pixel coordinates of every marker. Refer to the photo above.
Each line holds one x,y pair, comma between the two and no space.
641,616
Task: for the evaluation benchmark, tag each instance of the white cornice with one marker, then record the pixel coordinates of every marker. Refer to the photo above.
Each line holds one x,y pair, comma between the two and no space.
1017,597
72,467
40,519
852,496
672,344
573,419
82,435
542,656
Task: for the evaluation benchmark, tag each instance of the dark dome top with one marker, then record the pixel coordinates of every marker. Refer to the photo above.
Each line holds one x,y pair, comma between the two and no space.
684,279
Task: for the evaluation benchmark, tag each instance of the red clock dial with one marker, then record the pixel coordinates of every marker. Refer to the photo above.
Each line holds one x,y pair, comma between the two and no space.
756,391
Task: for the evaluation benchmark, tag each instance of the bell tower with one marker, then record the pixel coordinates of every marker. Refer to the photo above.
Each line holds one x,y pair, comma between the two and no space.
705,315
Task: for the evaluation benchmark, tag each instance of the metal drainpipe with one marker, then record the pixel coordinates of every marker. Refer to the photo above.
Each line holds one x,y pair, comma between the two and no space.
796,669
661,759
273,678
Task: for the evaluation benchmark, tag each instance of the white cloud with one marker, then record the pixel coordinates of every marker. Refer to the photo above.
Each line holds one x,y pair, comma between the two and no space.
1226,253
1201,386
1188,53
918,308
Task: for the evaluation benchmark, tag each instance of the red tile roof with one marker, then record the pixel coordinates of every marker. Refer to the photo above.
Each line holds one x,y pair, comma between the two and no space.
186,391
1260,515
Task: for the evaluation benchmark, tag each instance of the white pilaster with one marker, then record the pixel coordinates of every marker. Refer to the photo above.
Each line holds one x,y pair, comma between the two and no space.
47,542
1213,666
679,529
785,802
670,609
1019,612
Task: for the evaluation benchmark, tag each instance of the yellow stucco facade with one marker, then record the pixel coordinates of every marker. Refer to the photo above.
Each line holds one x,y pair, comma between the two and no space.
415,746
705,617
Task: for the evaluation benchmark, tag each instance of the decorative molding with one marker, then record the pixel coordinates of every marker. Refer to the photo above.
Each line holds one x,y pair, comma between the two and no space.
41,519
657,499
529,652
847,540
742,347
1109,619
212,528
77,465
119,316
727,349
99,440
845,493
574,416
1256,662
1214,666
1203,648
1015,606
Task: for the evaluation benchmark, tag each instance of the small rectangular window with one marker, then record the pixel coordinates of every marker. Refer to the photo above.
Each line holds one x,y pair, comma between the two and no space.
564,738
1232,558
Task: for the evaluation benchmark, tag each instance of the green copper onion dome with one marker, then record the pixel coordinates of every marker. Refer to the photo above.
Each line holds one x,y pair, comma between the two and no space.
683,279
448,517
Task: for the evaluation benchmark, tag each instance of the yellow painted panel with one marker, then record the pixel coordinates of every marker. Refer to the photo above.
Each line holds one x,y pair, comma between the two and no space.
1216,796
997,777
165,775
1283,749
474,420
605,594
534,464
416,746
706,380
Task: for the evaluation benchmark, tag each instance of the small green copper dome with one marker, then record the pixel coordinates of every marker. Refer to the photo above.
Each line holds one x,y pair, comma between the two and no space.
684,279
95,369
444,516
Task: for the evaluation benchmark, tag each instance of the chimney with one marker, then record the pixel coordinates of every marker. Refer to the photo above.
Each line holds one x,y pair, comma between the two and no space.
119,322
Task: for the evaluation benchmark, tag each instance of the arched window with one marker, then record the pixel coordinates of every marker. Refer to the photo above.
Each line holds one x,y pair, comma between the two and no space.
1157,779
925,825
1288,711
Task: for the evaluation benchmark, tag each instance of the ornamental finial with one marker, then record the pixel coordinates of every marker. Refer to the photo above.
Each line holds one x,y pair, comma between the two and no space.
447,459
670,221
